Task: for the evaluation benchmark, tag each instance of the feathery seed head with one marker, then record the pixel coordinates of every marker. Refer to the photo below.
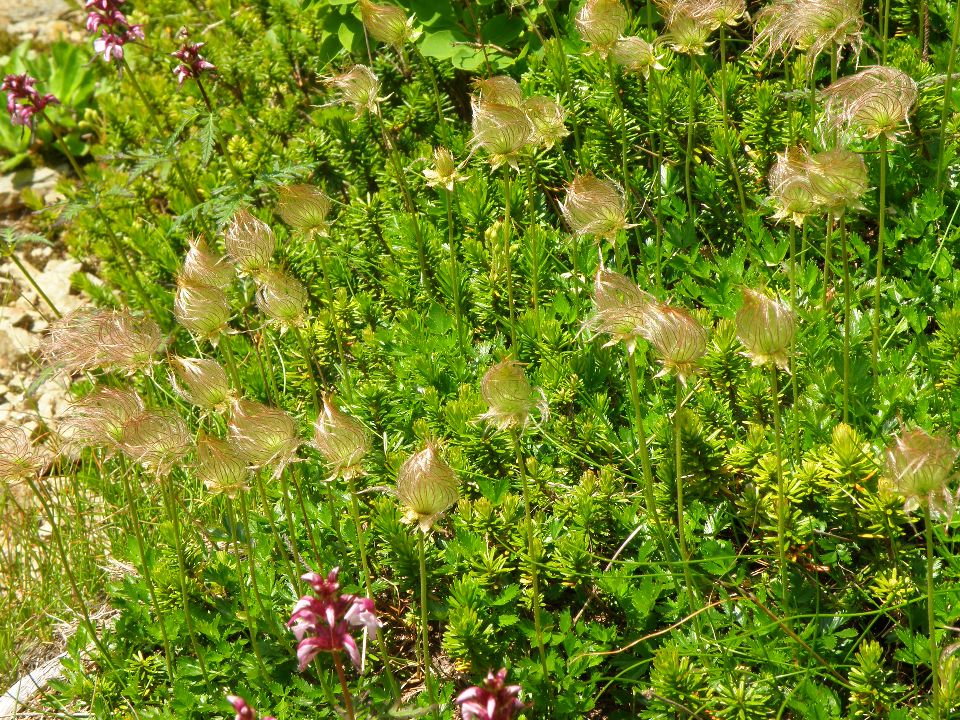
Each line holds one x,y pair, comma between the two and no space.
636,55
200,381
263,435
204,310
595,207
250,242
220,466
202,267
810,25
790,188
877,101
600,23
509,395
920,466
157,439
687,33
19,459
678,338
546,117
502,130
99,419
304,208
498,90
388,23
341,439
358,87
444,172
91,338
426,487
621,308
281,297
838,179
766,327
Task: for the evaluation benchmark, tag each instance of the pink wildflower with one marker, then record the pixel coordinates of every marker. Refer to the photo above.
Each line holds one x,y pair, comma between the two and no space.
23,100
115,30
322,622
193,64
494,700
243,709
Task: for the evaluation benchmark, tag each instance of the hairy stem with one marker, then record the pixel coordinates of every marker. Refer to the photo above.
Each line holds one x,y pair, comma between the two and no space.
931,622
425,623
881,239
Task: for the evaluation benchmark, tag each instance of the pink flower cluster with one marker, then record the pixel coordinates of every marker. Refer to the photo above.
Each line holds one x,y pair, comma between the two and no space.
23,100
115,30
192,63
494,700
243,710
322,622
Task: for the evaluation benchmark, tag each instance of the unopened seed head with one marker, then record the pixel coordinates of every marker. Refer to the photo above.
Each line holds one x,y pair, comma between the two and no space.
678,338
304,208
263,435
838,179
509,396
250,243
157,439
547,119
635,54
622,308
220,466
200,381
99,419
688,34
600,23
501,130
281,297
358,87
876,101
426,487
203,267
766,327
91,338
790,188
920,467
444,172
20,459
204,310
387,23
498,90
595,207
341,439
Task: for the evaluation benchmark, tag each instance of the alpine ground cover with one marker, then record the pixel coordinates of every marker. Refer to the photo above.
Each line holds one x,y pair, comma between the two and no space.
500,360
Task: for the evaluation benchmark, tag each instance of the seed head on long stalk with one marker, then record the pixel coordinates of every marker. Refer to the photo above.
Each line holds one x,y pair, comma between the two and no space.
920,468
790,189
766,327
600,23
679,339
622,308
814,26
90,338
875,101
426,487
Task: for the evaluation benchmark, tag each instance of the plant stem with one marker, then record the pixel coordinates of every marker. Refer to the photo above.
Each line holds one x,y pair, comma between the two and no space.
847,292
827,258
931,620
347,699
424,623
235,541
881,239
781,489
794,387
531,550
308,359
26,273
454,272
224,344
338,336
727,125
681,531
507,226
688,158
947,95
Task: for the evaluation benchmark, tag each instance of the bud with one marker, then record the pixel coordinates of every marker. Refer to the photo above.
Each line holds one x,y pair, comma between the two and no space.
220,466
200,381
546,118
340,439
790,189
678,338
919,467
766,327
19,459
811,25
304,208
426,487
635,54
99,419
281,297
202,267
876,101
838,179
203,310
509,396
250,242
499,90
157,439
502,130
358,87
622,308
688,34
90,338
263,435
444,171
595,207
600,23
387,23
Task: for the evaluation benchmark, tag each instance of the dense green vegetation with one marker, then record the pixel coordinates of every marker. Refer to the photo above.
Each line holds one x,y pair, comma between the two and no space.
728,275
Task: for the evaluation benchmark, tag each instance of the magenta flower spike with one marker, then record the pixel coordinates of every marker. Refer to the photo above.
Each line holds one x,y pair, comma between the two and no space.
322,622
115,30
493,700
243,710
192,63
23,100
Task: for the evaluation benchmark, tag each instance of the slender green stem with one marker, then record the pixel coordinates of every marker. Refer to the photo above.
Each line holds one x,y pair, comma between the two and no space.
224,344
444,132
291,524
648,488
272,521
347,699
531,550
781,489
624,261
947,98
794,387
337,334
881,239
454,271
681,530
425,623
827,260
27,274
688,158
308,359
251,555
727,125
884,30
507,232
847,310
931,621
244,603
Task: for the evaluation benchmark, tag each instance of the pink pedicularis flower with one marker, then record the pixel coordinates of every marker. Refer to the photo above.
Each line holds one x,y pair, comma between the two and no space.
115,30
493,700
322,622
23,100
243,709
192,63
